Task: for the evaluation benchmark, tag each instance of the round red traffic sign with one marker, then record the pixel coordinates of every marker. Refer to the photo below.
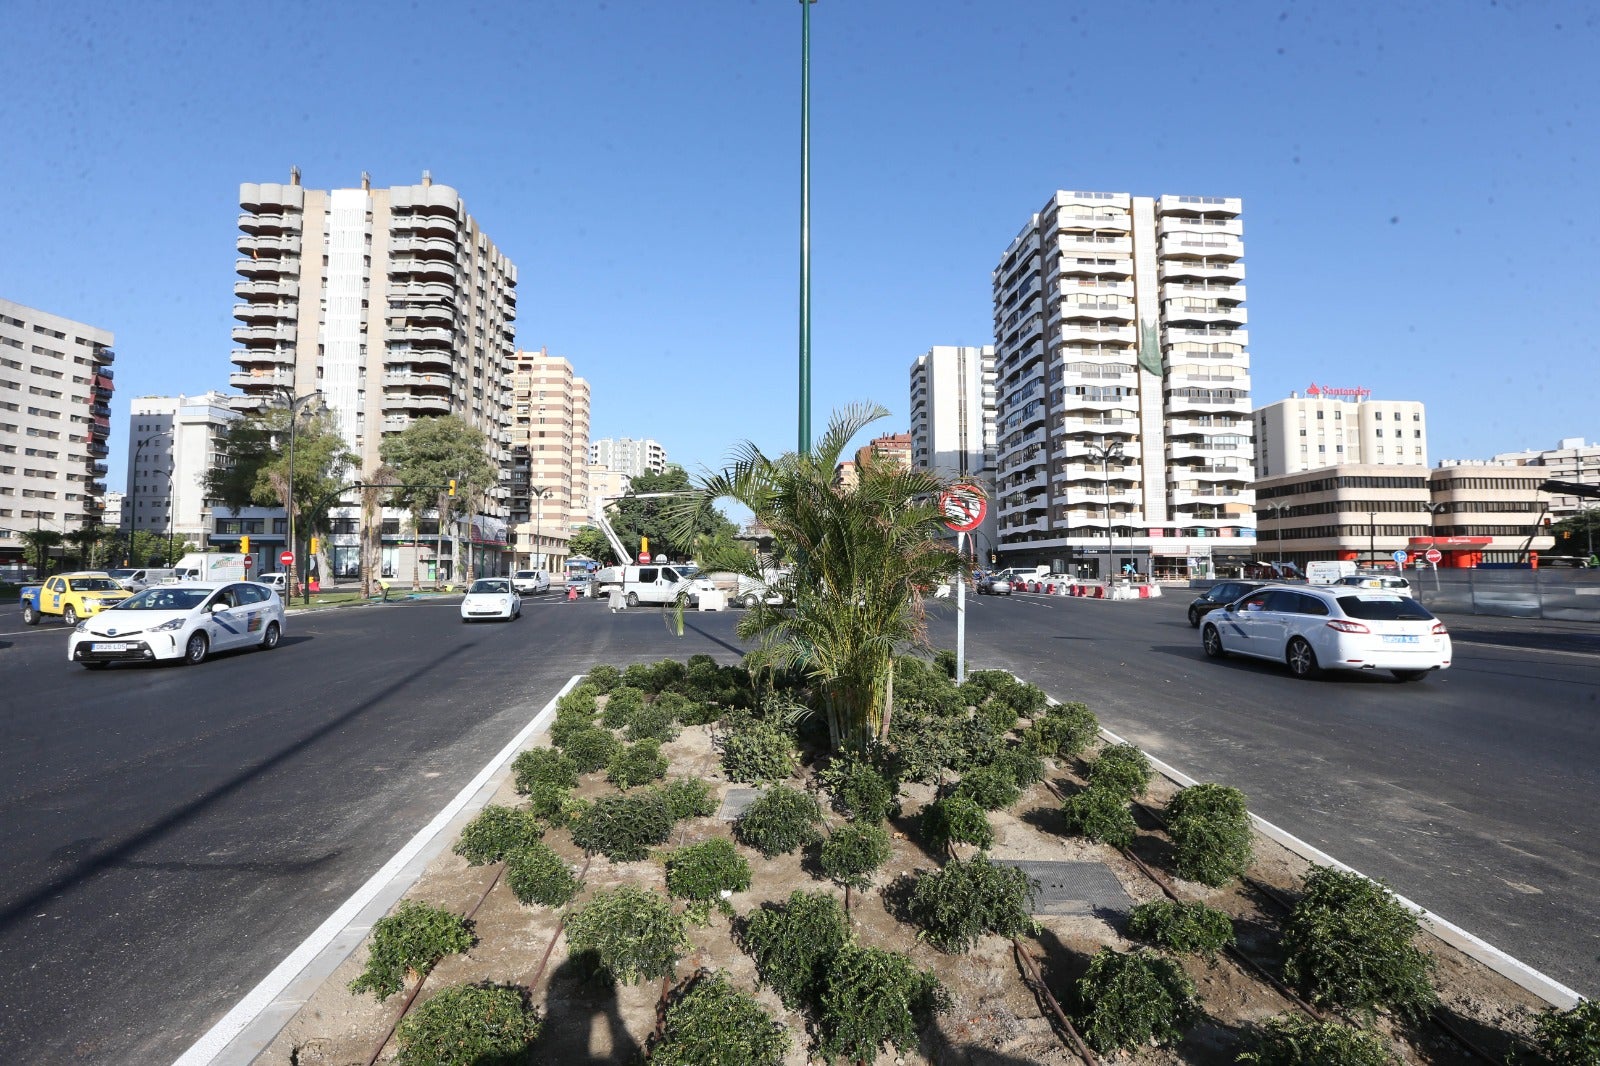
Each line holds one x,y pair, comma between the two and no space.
964,507
286,558
1433,555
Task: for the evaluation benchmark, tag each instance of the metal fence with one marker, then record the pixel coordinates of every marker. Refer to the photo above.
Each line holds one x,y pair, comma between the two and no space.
1567,595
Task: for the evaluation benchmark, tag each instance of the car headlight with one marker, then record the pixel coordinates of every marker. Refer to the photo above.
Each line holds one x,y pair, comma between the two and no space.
81,627
168,627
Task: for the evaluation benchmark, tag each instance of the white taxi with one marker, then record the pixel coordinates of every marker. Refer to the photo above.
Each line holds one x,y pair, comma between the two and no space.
185,620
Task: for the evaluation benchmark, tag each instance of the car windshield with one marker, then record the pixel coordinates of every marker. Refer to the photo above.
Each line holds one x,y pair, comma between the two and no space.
525,575
486,587
1384,608
94,584
119,574
164,599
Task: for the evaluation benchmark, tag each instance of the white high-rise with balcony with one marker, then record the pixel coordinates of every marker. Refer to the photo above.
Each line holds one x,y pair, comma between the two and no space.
1123,413
952,419
628,456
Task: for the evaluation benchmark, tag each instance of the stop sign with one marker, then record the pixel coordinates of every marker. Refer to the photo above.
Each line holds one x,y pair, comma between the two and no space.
286,558
1434,555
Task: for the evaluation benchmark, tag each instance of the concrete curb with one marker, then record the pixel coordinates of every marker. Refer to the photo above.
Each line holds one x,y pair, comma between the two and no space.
245,1031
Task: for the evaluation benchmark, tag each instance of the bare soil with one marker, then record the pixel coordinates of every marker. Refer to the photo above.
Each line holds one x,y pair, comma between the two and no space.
995,1018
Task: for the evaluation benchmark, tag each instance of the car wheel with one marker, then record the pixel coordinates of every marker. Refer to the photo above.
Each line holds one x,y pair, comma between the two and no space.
195,651
633,599
1302,660
270,638
95,666
748,600
1211,640
69,615
29,615
1194,618
1410,675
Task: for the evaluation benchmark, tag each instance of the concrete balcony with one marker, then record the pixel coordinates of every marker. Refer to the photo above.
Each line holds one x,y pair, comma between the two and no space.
1181,227
254,380
1176,312
392,379
1198,245
270,335
275,246
1080,244
1071,330
417,404
1201,270
269,222
420,335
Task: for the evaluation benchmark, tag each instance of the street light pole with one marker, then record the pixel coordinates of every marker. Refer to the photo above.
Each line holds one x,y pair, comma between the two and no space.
1372,538
1105,453
539,492
296,567
805,226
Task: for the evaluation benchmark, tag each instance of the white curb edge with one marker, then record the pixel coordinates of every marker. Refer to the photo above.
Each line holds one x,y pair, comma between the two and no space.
245,1031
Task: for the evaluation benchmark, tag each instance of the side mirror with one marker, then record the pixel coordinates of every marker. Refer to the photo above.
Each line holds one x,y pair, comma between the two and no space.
218,606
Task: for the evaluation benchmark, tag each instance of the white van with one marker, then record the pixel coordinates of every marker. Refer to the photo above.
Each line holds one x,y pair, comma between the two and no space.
530,582
210,566
1329,571
139,578
654,583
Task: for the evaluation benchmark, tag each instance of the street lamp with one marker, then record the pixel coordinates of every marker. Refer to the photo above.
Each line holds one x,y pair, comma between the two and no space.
805,227
539,493
293,403
1372,538
137,450
1104,453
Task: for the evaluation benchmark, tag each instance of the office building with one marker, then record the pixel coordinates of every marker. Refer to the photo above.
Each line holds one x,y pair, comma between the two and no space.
628,456
1331,426
56,383
1123,387
550,450
172,445
1571,460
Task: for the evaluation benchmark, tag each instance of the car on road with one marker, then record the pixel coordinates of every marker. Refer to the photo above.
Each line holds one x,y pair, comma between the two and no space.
186,620
1222,592
71,596
994,585
491,597
1330,627
276,579
530,582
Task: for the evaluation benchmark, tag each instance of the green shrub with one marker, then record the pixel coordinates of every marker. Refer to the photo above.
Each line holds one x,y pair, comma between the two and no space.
552,804
1348,945
921,745
714,1023
991,787
974,742
757,752
469,1025
1210,830
1569,1037
675,705
1295,1040
1063,731
704,870
699,658
623,828
945,660
1001,699
603,678
408,943
872,997
1024,765
1101,815
496,832
664,674
920,687
1189,927
958,904
638,675
1123,769
637,764
632,932
537,875
780,820
543,766
651,722
566,726
621,705
858,790
581,700
793,942
956,820
1130,1000
852,852
689,797
590,748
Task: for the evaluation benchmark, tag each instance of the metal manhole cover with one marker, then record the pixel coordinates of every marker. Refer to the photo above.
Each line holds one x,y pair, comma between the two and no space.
1073,888
735,801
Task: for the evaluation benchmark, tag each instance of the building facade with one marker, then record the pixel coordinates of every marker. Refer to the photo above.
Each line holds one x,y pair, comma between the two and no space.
1123,387
550,450
953,424
1338,427
56,383
891,448
172,445
1570,460
628,456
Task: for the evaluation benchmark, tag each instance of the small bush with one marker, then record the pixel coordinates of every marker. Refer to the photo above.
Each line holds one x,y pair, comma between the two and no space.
858,790
581,700
945,660
566,726
1348,945
408,943
1190,927
956,820
1569,1037
780,820
623,828
675,705
958,904
1063,731
793,942
703,871
637,764
603,678
590,748
974,742
651,722
543,766
664,674
921,746
689,797
469,1025
553,805
633,933
1210,830
537,875
991,787
1295,1040
1123,769
713,1022
1024,765
872,997
922,688
621,705
853,852
1002,699
757,752
638,675
1101,815
496,832
1129,1000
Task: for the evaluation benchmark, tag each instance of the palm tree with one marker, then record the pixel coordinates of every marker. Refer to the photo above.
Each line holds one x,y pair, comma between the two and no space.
84,539
860,561
41,541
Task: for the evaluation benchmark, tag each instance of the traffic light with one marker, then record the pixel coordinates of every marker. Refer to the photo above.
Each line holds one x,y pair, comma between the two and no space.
313,545
1566,534
452,486
244,545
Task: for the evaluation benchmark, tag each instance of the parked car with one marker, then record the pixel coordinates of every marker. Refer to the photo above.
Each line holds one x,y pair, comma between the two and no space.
1392,582
185,620
530,582
276,580
994,585
491,597
1221,593
1314,628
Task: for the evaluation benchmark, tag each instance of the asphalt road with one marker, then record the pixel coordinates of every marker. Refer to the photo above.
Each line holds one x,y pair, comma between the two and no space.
1471,792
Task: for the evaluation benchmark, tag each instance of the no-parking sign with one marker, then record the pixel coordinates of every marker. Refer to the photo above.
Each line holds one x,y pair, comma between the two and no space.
964,507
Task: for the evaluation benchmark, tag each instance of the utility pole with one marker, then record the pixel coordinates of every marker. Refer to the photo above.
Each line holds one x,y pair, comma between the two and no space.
805,227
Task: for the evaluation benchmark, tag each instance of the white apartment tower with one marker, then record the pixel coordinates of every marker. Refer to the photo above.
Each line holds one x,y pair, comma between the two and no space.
550,458
952,420
172,445
628,456
55,419
1123,370
1337,427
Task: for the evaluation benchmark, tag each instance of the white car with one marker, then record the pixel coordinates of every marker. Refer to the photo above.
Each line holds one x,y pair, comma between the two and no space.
185,620
1330,627
491,597
531,582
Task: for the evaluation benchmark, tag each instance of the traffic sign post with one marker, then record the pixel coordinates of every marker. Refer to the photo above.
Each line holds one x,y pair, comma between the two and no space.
964,509
1434,555
1399,558
286,560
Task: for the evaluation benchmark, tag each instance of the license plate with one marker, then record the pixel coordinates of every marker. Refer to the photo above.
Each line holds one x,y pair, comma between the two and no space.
111,647
1400,639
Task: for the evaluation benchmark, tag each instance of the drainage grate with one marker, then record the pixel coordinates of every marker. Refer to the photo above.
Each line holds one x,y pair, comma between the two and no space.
1073,888
736,800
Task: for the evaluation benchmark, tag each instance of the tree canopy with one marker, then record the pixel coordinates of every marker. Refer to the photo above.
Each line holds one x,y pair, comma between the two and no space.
428,454
659,519
252,465
590,543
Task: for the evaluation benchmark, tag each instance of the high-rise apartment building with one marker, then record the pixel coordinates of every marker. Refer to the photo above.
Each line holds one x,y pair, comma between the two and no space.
55,419
891,448
952,421
549,451
1338,426
172,444
1123,386
628,456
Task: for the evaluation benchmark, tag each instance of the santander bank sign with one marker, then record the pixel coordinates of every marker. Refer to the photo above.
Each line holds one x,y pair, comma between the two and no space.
1315,390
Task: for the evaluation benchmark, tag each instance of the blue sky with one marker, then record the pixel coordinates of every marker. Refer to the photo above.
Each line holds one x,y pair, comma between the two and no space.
1419,182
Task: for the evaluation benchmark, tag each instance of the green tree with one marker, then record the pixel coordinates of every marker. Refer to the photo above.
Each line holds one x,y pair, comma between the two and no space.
84,540
589,542
862,560
661,520
39,542
1575,534
426,456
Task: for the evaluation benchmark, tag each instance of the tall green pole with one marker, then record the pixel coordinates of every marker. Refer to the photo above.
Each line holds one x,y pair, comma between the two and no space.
805,226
